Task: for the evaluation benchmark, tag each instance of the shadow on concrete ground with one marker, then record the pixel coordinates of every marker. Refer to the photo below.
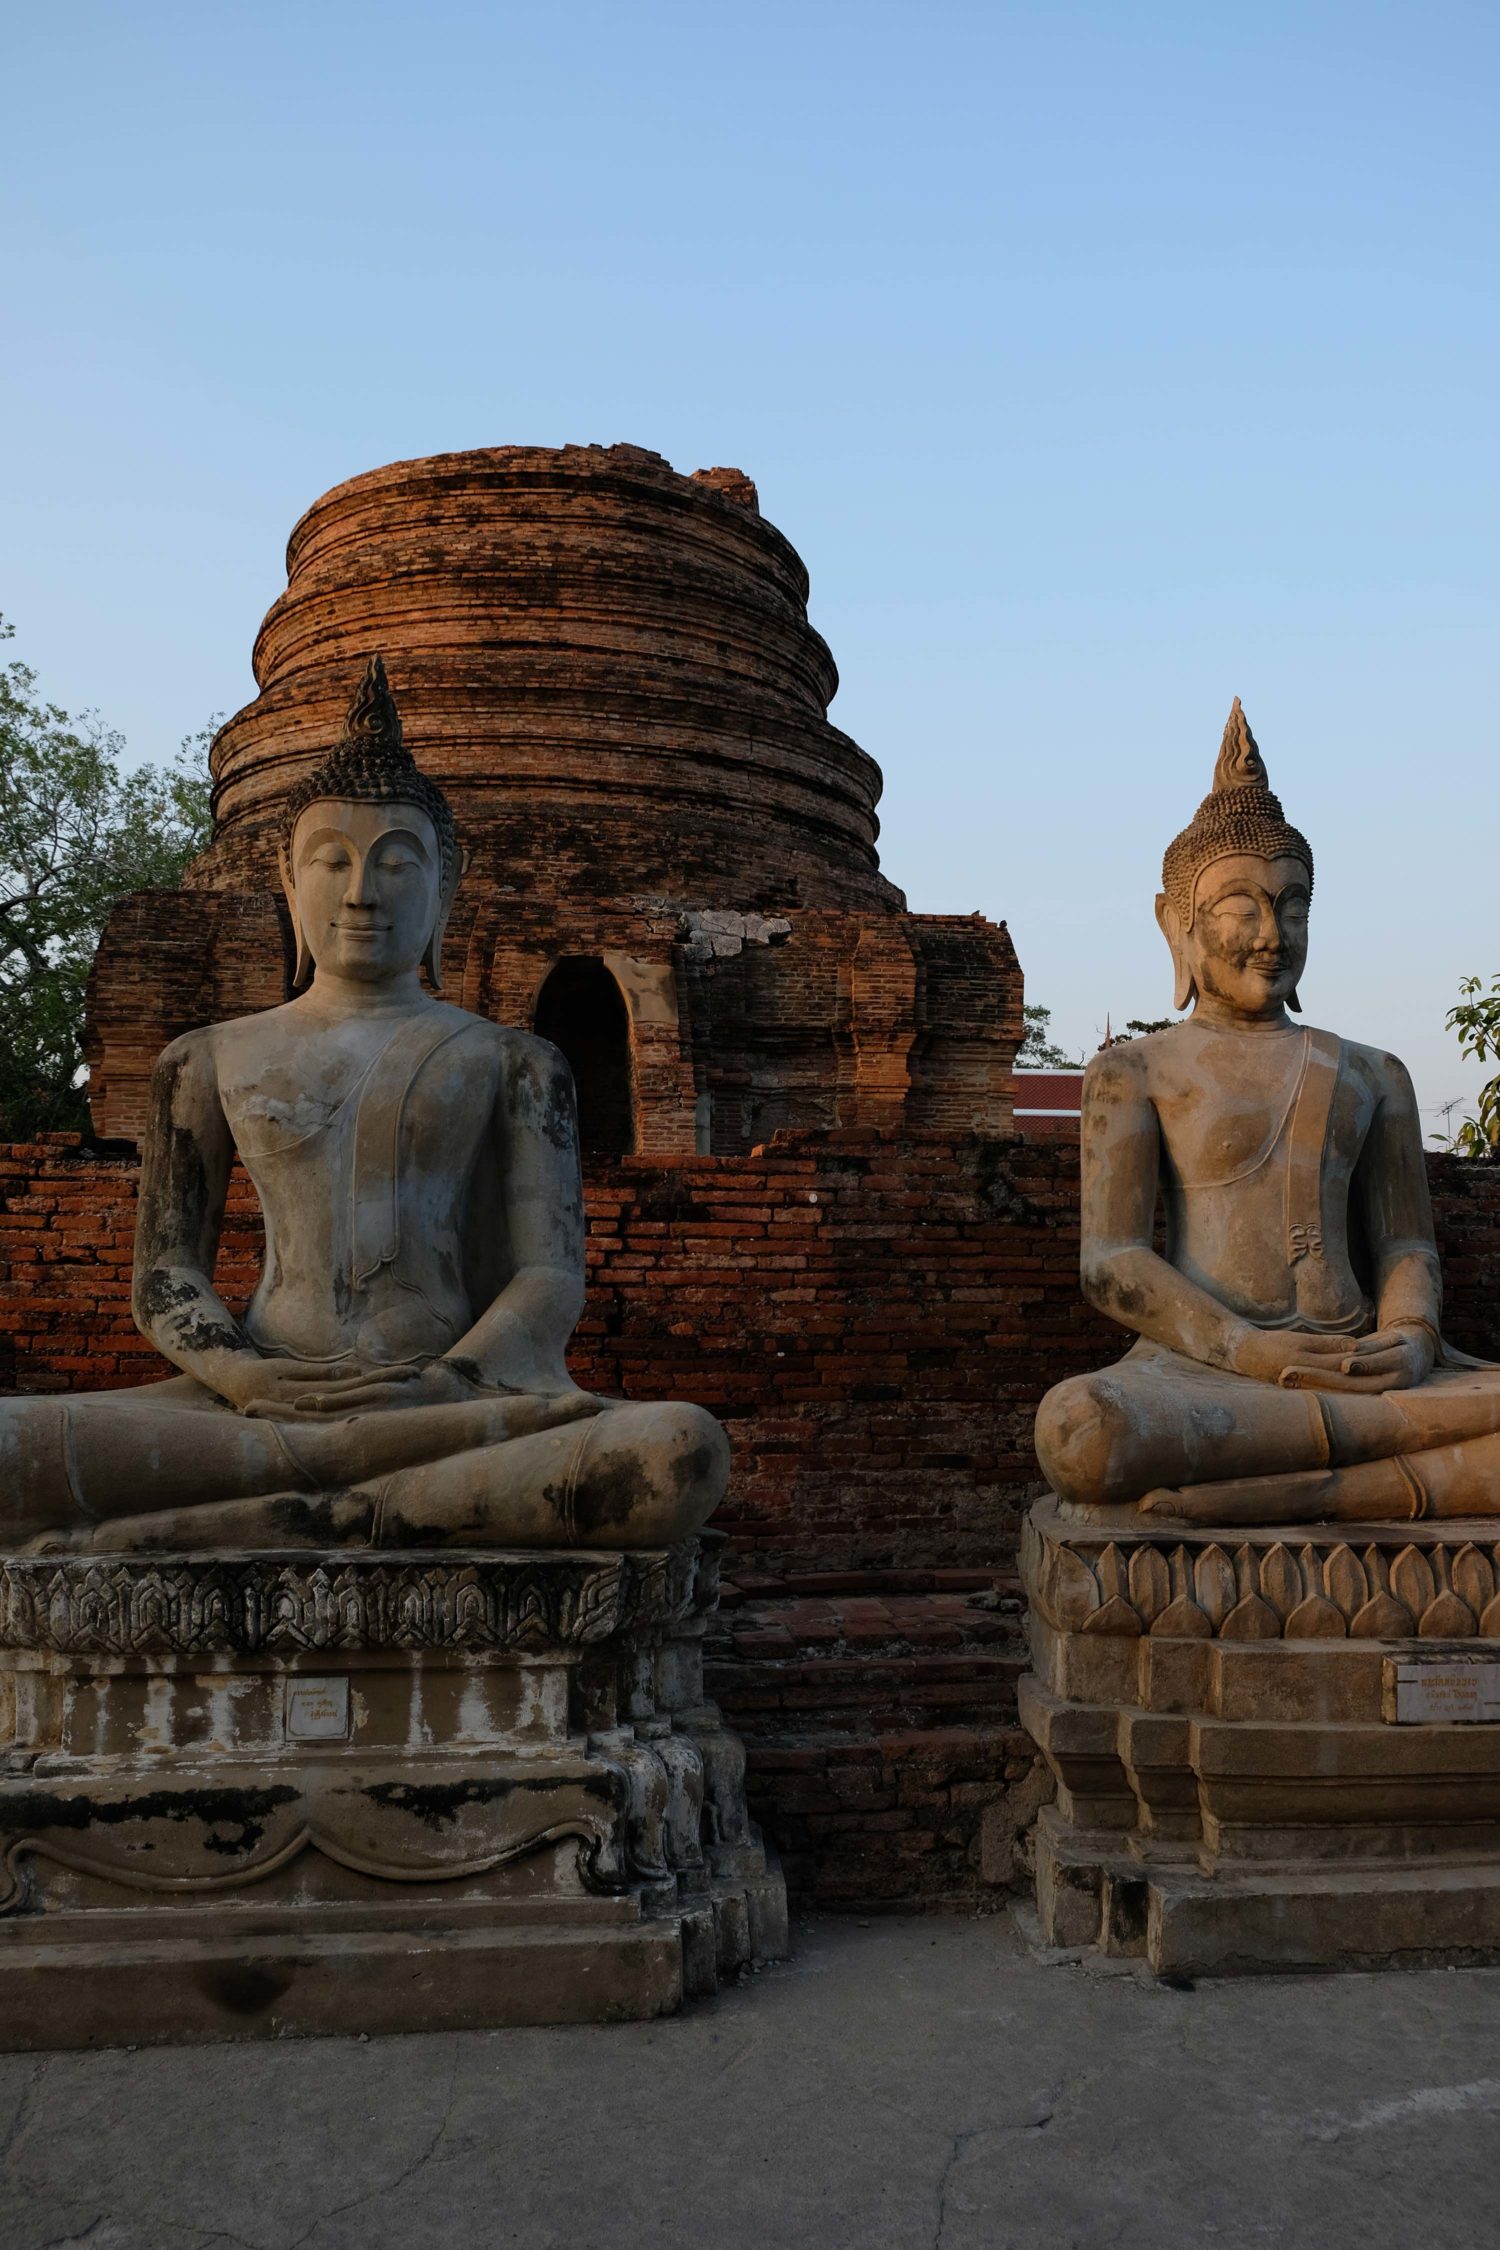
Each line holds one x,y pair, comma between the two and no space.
903,2085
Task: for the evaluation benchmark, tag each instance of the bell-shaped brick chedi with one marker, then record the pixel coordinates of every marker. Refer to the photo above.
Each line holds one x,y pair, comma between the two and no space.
607,667
672,866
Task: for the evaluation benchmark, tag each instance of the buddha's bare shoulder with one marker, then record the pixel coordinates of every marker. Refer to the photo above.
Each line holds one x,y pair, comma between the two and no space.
192,1054
485,1034
1132,1069
205,1048
1384,1073
530,1061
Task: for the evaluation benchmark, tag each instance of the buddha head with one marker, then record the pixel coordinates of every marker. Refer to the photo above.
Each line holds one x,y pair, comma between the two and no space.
1236,886
369,858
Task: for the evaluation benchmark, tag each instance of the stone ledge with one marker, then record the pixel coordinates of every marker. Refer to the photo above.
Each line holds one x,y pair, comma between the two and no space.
1256,1921
298,1981
286,1604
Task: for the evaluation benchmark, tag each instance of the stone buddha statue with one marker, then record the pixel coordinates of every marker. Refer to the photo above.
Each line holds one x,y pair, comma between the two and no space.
1289,1363
399,1378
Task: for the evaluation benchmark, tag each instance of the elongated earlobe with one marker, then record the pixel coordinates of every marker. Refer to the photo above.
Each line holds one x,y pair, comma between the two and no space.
1294,1003
302,967
432,959
1184,984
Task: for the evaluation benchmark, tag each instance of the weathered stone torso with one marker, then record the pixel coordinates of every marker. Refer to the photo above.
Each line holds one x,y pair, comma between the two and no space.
371,1146
1260,1147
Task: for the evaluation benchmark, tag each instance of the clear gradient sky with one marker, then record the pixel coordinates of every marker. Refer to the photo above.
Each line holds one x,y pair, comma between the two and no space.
1102,361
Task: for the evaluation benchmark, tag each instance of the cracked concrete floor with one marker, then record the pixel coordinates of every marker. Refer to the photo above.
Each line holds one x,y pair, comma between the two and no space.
915,2083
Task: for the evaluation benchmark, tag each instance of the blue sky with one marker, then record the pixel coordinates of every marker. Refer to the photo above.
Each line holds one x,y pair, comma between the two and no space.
1103,362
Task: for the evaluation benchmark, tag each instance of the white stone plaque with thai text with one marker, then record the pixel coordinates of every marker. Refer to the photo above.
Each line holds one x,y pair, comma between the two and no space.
317,1710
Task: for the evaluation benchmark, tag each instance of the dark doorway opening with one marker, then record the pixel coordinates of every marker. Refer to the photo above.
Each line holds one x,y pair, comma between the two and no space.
581,1009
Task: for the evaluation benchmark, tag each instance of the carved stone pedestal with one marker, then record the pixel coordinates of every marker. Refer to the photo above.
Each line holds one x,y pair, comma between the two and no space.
1272,1749
269,1794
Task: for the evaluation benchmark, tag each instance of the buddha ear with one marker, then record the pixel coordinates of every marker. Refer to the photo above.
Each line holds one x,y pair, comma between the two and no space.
303,966
1294,1003
432,959
1169,922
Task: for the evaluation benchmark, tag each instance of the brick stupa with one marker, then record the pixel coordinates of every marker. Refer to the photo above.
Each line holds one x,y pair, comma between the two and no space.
609,669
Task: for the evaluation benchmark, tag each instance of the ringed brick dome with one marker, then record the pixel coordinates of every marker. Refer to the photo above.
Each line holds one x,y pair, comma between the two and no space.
672,870
606,665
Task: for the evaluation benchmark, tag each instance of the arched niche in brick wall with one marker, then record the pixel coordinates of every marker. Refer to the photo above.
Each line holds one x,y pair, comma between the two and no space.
582,1010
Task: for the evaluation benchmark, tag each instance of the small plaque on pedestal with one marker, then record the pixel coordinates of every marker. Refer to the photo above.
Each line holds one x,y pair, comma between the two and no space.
1447,1690
317,1710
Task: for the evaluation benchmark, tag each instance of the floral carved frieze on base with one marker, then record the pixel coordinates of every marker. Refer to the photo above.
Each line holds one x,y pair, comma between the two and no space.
282,1604
1375,1584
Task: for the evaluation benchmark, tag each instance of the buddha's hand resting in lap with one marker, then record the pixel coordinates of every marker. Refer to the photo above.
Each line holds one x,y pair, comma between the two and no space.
309,1390
437,1383
261,1388
434,1382
1393,1359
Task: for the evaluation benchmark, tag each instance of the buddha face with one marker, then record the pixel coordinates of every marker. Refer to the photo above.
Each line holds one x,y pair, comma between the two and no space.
1247,947
365,882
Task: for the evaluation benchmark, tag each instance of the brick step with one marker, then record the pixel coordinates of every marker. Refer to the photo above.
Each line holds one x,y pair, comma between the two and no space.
894,1820
880,1719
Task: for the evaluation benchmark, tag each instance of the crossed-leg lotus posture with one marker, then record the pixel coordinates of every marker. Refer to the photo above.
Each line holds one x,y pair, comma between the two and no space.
1290,1364
399,1377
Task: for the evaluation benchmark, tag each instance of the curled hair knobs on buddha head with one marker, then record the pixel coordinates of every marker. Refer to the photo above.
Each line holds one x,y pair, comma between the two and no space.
372,765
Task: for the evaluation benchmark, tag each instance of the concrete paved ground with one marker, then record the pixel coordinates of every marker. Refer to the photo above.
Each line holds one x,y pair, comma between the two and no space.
914,2085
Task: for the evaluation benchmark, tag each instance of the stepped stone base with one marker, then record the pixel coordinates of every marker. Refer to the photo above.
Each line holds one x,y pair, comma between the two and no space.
269,1794
1272,1748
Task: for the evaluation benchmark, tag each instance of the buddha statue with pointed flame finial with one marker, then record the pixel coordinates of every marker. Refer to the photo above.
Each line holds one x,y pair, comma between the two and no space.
1289,1364
399,1377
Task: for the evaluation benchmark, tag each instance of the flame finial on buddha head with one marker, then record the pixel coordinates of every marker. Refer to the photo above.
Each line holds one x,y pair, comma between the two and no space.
1241,813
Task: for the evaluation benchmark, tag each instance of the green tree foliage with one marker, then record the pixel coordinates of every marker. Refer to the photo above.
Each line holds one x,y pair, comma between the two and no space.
76,834
1037,1050
1476,1019
1136,1028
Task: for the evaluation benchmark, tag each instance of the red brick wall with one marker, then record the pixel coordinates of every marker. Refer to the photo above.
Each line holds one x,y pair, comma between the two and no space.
876,1319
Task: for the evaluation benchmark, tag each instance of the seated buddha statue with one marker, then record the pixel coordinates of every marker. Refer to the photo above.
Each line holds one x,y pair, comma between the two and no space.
1289,1364
399,1377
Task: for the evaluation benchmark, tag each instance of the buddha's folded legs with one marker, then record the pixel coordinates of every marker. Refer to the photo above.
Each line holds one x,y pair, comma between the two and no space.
1436,1481
1156,1422
108,1458
67,1462
567,1471
633,1476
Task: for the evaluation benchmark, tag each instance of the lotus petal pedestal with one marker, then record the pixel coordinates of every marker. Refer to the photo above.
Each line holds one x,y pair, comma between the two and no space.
1273,1748
269,1794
